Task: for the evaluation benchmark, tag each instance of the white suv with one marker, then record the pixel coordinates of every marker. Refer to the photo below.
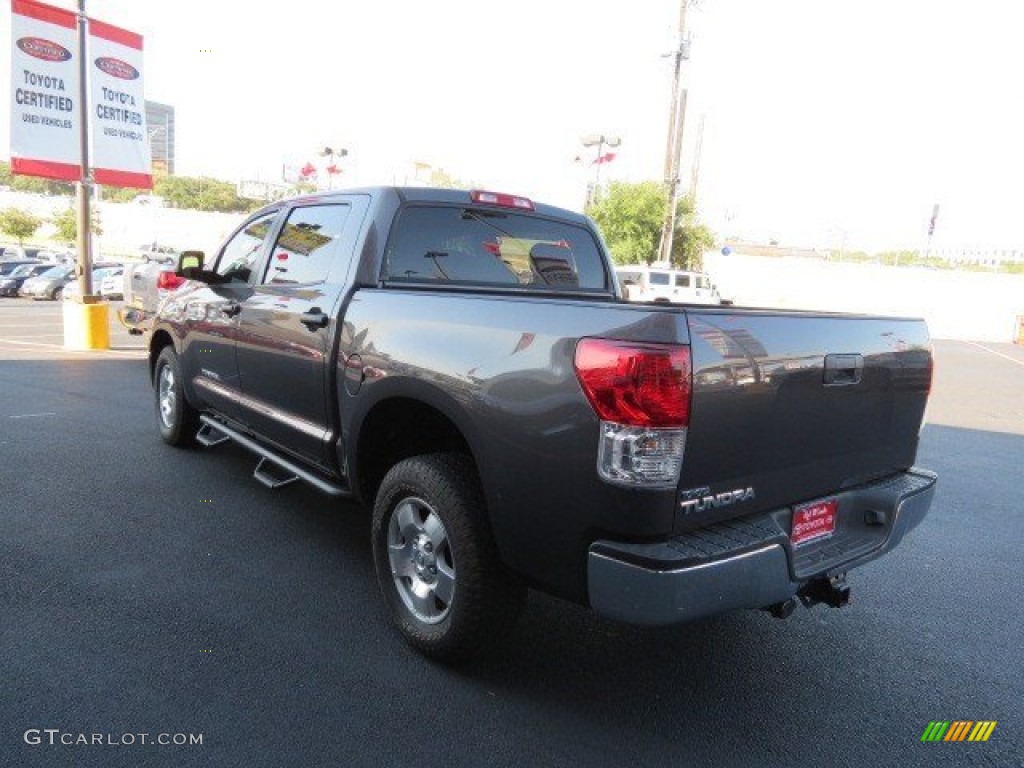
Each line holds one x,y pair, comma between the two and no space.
641,283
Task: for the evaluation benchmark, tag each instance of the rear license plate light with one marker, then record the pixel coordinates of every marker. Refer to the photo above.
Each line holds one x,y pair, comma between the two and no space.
813,521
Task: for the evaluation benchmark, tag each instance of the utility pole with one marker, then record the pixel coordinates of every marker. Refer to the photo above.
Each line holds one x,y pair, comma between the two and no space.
674,142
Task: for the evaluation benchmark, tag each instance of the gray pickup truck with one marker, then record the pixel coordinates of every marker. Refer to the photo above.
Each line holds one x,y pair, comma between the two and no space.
464,363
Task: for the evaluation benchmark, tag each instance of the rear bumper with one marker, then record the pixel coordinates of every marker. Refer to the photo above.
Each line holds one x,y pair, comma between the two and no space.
750,562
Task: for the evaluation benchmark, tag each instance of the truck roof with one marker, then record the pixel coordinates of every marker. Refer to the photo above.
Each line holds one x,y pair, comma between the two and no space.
431,195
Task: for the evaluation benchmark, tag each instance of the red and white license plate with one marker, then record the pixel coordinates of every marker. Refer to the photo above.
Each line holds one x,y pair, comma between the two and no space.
813,521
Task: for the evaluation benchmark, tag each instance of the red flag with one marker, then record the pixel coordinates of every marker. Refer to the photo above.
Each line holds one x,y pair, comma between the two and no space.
333,169
607,157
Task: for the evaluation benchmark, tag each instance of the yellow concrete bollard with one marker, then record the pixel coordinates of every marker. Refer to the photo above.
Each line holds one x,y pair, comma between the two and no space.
86,324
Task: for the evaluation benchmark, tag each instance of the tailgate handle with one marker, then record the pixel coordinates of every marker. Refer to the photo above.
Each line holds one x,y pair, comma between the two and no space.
842,370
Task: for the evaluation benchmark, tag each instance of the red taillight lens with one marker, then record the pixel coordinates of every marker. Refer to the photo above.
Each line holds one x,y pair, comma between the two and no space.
644,385
168,281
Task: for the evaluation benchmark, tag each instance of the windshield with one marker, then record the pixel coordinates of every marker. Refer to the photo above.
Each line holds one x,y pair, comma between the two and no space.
57,272
23,271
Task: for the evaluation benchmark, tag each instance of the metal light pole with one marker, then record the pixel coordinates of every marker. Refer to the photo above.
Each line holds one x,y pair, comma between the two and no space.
83,188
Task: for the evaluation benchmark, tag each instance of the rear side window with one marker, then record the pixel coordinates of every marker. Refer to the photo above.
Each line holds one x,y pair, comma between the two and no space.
682,281
308,245
483,246
660,278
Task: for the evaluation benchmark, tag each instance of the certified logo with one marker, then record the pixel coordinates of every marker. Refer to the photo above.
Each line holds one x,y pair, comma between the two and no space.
47,50
117,68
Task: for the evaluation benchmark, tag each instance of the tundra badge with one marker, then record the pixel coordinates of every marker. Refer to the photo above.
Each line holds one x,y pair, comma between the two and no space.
701,499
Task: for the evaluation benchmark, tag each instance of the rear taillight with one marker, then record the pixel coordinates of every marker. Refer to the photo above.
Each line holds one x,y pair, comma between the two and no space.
168,281
643,385
641,393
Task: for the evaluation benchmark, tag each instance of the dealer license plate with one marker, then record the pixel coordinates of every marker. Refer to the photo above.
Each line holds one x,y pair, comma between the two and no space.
814,521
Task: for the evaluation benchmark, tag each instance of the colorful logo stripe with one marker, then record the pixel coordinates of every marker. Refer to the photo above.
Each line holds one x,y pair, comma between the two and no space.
958,730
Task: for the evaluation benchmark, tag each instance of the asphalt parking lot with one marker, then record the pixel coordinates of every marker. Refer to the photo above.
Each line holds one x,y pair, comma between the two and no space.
146,590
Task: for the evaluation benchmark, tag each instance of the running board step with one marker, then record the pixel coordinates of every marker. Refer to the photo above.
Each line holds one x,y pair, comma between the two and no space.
210,436
287,471
271,476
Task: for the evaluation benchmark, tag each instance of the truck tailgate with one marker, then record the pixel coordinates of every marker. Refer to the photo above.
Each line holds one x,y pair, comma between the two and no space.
792,407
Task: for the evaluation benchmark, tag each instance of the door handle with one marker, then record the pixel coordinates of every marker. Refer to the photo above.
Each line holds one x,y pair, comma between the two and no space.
314,319
231,309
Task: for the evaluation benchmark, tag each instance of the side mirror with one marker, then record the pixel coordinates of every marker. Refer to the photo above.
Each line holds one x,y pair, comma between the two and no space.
192,260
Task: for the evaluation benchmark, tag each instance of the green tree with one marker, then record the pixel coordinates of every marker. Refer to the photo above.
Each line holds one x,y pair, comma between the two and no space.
631,217
201,194
691,238
120,194
66,223
19,224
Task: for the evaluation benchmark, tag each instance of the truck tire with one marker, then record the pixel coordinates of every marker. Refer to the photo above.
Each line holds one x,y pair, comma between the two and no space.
176,419
436,560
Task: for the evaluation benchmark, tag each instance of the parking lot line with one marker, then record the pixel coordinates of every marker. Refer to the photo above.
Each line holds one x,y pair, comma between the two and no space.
29,325
996,352
61,348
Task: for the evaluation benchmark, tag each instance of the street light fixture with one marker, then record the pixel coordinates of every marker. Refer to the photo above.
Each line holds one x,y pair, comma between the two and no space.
600,141
332,168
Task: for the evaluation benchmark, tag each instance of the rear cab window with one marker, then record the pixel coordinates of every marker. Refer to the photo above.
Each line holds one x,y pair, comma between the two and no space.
480,246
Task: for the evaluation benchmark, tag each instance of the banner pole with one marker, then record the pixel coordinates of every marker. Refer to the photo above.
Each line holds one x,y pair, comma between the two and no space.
84,186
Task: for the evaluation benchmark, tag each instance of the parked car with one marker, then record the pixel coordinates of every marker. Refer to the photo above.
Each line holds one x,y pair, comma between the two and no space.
112,286
163,254
145,285
52,283
21,252
11,283
49,284
8,266
99,276
463,363
56,256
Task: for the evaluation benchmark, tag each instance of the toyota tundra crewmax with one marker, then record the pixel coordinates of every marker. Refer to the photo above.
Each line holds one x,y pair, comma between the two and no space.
463,363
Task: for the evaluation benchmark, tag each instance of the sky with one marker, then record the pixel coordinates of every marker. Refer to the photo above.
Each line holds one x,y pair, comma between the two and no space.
824,122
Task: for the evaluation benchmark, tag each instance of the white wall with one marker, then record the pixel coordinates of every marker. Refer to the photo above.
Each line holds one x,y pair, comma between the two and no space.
127,226
957,305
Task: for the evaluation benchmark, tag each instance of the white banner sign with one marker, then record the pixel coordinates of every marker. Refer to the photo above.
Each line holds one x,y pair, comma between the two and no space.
120,145
45,114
